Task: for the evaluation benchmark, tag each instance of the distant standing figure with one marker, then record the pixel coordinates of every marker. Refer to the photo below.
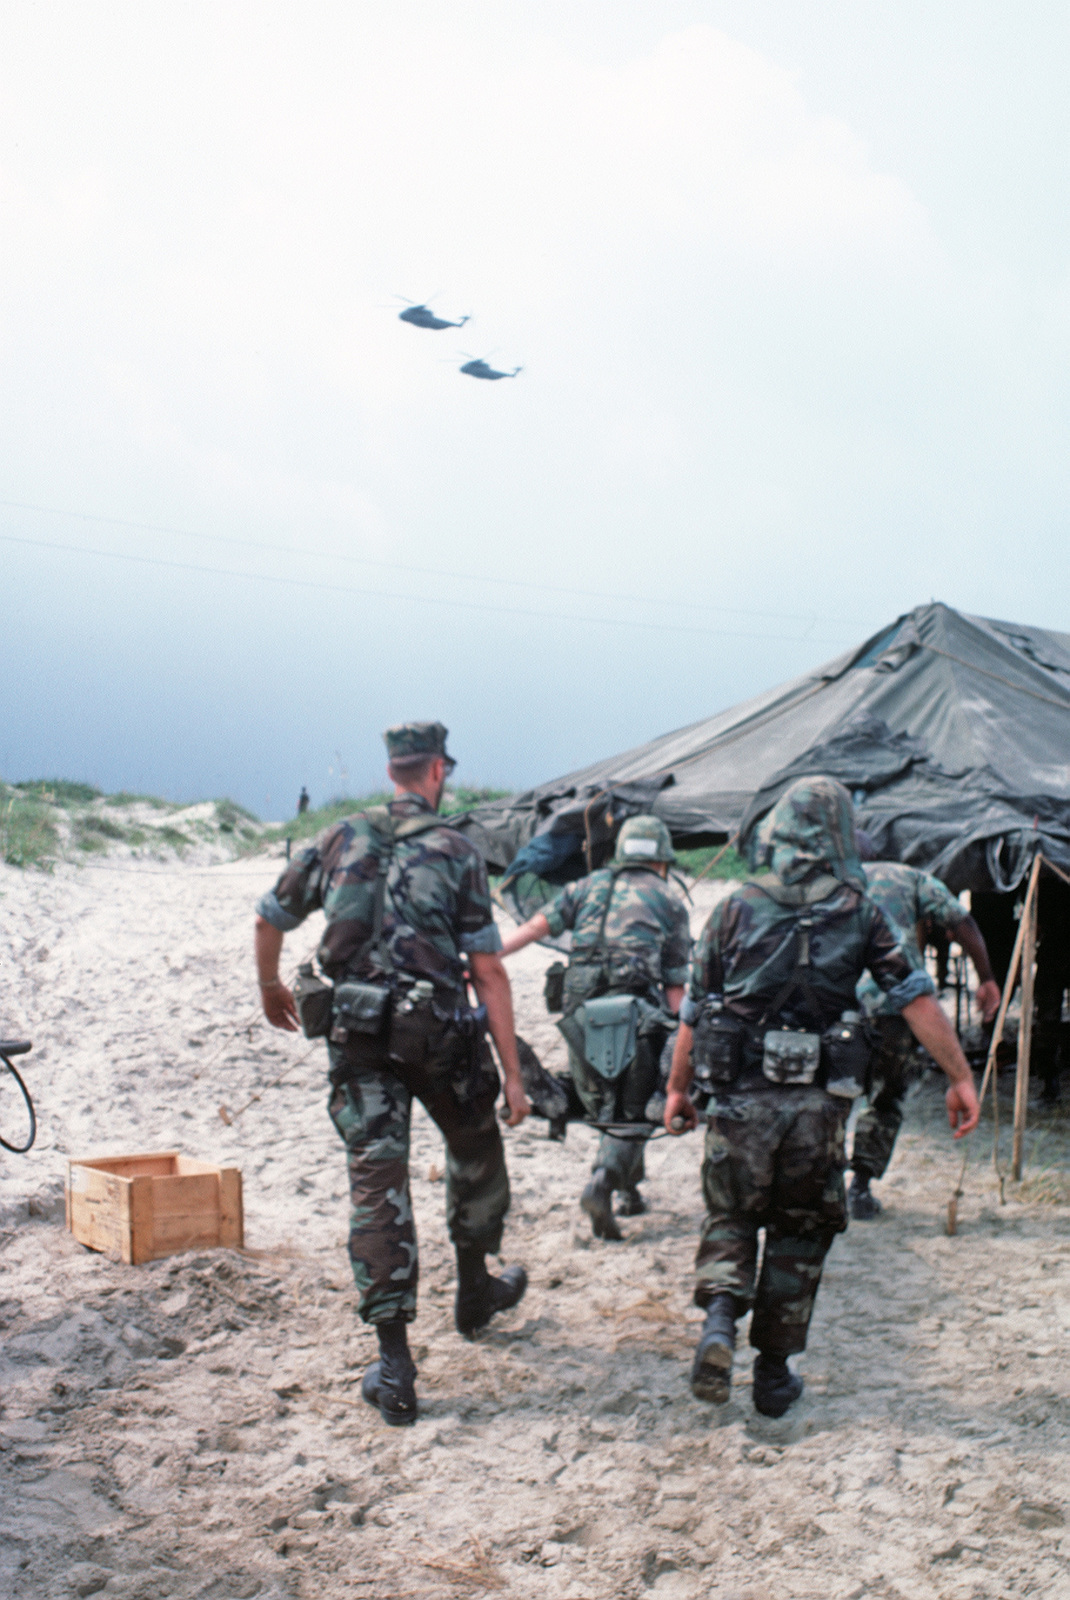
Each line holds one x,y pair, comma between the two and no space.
302,801
631,945
915,903
407,904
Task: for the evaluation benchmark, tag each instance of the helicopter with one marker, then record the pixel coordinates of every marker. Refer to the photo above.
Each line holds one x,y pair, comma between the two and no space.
424,317
478,368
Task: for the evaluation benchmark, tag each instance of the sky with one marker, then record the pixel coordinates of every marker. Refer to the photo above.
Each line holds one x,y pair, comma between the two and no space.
787,279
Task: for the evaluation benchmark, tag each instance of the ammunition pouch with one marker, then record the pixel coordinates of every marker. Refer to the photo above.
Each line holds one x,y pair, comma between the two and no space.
717,1048
789,1057
314,1000
362,1008
846,1052
553,990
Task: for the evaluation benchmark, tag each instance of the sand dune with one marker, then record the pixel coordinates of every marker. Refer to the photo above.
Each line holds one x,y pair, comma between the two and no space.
194,1427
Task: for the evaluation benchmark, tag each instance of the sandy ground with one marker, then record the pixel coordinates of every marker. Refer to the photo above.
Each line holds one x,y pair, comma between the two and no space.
194,1427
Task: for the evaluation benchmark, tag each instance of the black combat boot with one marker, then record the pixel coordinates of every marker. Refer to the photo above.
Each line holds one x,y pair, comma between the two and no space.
711,1370
776,1387
597,1201
388,1382
864,1205
479,1296
631,1202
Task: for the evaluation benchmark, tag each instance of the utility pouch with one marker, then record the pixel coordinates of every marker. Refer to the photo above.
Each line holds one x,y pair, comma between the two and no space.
717,1050
553,990
789,1057
610,1026
845,1054
313,999
360,1008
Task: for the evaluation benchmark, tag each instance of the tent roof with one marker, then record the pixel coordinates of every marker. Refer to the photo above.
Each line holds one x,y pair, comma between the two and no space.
953,731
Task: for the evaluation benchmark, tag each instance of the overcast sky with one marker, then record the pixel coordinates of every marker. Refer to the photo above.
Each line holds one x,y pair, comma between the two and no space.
788,280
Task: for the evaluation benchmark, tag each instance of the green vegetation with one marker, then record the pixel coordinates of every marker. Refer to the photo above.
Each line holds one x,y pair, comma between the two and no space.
59,791
28,835
467,799
731,864
230,815
124,798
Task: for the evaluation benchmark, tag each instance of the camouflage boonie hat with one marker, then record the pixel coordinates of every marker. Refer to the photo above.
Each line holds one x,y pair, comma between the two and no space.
643,839
416,741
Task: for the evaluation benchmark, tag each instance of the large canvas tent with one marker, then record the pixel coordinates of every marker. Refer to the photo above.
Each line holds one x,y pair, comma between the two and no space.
951,731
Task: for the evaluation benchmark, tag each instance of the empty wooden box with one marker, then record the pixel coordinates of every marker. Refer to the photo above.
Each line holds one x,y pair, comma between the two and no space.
141,1207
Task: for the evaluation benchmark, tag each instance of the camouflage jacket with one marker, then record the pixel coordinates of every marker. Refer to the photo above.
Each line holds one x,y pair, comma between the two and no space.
437,904
748,948
647,938
907,897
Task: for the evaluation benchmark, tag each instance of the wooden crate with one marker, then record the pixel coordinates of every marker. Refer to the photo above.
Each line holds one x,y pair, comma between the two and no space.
141,1207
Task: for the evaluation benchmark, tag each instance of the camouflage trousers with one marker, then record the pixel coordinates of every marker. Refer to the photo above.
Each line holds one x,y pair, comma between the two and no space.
622,1100
773,1160
892,1071
371,1106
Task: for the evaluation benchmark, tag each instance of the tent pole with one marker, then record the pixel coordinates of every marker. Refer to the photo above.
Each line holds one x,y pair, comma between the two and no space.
1025,1026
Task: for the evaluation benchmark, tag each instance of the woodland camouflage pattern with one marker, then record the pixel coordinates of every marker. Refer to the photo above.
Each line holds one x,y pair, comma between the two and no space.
645,949
892,1070
370,1107
646,930
774,1153
437,898
907,897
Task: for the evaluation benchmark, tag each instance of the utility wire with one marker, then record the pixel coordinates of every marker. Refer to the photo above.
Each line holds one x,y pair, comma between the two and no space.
401,566
291,582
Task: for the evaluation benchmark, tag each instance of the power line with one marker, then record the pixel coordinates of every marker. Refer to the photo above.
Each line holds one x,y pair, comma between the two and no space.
387,594
400,566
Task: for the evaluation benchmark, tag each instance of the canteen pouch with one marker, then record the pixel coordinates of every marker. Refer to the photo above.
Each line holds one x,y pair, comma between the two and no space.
845,1055
610,1028
789,1057
717,1048
553,990
359,1008
313,999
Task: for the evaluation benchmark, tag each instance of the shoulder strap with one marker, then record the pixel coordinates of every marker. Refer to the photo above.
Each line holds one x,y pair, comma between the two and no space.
800,974
599,943
392,833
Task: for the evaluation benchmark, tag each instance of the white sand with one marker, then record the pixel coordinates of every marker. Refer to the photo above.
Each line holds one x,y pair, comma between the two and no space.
194,1427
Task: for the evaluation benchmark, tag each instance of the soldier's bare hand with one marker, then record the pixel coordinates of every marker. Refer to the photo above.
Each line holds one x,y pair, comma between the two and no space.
988,998
680,1114
279,1008
963,1109
518,1103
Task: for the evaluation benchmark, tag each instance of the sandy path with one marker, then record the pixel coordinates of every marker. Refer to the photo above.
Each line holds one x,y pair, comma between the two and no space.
194,1427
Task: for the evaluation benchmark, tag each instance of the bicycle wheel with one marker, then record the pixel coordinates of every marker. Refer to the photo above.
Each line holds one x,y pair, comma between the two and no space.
20,1149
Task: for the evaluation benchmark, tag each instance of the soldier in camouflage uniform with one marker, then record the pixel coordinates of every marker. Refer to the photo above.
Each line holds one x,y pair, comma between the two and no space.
418,879
630,937
915,903
775,967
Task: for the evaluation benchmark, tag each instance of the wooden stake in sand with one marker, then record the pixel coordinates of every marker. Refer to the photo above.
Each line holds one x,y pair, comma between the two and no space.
997,1039
1025,1028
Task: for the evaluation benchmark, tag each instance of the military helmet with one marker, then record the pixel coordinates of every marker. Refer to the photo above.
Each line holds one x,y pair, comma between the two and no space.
642,840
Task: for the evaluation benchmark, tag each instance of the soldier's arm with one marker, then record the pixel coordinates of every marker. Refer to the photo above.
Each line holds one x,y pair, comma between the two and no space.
910,989
972,940
283,908
529,932
491,983
275,997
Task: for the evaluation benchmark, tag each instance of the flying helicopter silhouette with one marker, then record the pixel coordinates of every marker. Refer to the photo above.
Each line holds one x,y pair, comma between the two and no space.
478,368
421,316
